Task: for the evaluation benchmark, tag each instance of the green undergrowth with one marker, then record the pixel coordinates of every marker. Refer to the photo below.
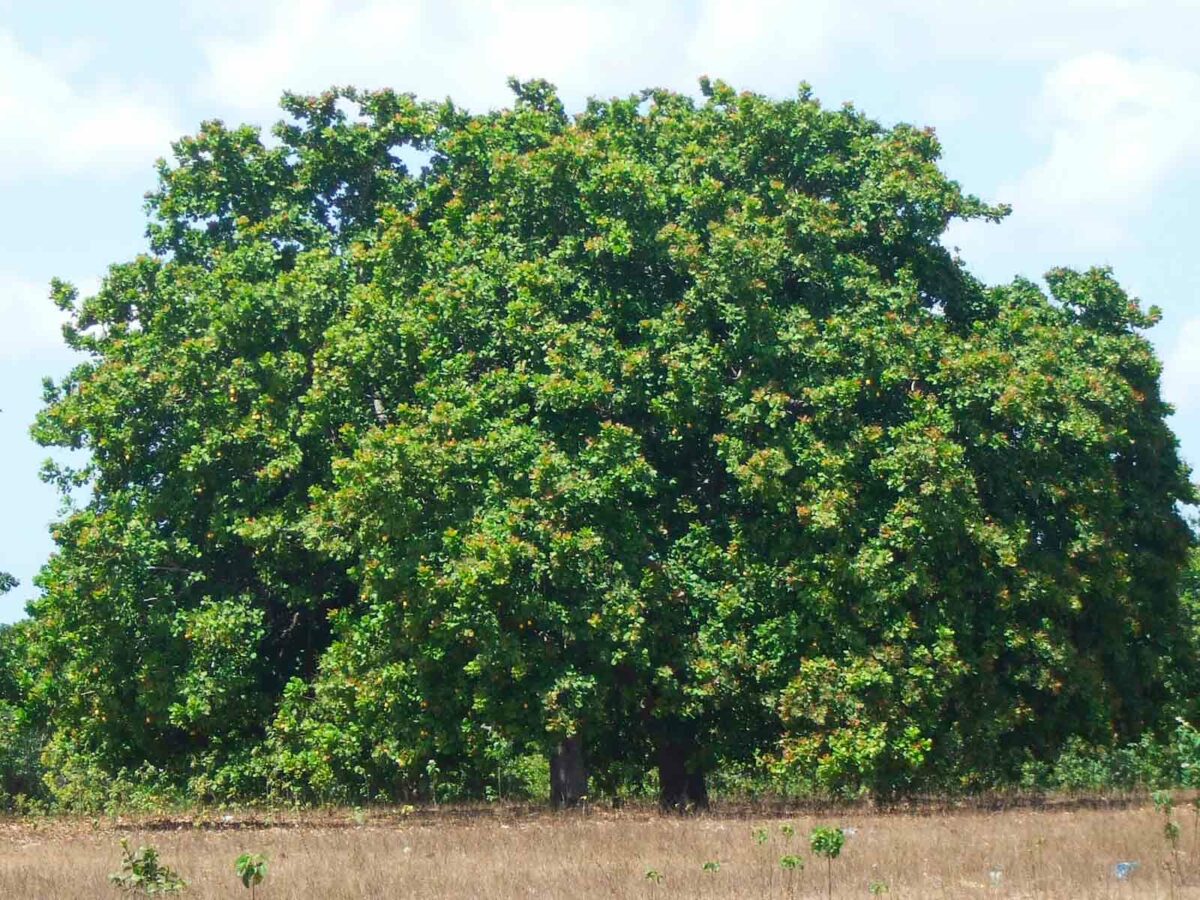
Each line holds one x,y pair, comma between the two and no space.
1082,770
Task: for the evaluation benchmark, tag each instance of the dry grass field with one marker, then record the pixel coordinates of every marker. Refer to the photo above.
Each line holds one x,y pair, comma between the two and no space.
508,853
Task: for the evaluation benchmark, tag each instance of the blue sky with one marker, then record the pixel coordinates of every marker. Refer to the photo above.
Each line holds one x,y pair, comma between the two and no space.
1084,114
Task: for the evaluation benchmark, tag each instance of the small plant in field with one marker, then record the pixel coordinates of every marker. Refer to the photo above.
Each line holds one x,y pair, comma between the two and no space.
877,888
1165,804
142,873
791,864
761,836
711,866
654,877
432,770
1171,832
787,830
827,842
1035,850
497,749
1196,827
252,869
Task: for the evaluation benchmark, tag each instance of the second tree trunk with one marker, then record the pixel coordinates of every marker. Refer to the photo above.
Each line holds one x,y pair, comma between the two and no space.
680,788
568,775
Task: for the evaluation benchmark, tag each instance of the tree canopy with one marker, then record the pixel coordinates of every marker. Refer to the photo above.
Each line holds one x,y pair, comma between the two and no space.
669,431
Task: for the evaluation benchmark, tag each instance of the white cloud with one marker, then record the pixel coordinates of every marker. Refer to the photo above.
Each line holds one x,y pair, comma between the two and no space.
467,49
771,45
430,49
946,105
32,324
55,124
1117,132
1181,373
1024,31
305,44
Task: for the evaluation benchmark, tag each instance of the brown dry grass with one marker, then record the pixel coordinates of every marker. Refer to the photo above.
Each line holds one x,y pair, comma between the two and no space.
512,853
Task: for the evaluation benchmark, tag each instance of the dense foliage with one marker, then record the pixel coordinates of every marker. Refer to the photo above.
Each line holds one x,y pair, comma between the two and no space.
670,431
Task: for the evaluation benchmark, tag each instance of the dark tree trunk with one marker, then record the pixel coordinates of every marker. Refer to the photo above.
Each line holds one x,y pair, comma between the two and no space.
697,790
568,775
679,790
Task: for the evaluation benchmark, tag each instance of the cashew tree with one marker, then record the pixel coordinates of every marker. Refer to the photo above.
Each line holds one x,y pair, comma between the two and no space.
659,437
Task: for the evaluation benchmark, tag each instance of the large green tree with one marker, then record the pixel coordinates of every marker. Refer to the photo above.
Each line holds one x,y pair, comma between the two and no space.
19,742
663,435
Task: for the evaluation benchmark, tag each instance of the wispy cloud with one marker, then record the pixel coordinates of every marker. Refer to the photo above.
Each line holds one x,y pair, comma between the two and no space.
462,49
1115,134
1118,131
32,324
54,123
466,49
1181,374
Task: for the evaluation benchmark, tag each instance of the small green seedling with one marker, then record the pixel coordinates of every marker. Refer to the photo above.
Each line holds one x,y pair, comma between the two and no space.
142,873
432,771
654,876
711,866
877,888
827,842
791,864
1196,827
1165,804
252,869
1171,832
787,830
761,836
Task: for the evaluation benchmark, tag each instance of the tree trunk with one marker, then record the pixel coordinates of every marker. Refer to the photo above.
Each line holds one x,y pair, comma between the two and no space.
679,790
697,791
568,775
